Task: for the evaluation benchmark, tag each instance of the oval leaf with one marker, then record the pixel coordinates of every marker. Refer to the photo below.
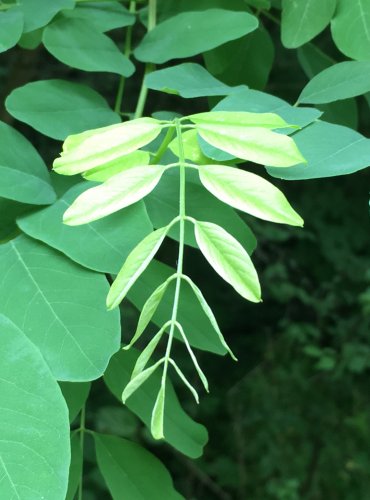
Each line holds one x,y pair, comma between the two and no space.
34,426
101,174
60,307
239,119
80,45
183,35
135,264
117,192
11,26
97,148
229,259
248,192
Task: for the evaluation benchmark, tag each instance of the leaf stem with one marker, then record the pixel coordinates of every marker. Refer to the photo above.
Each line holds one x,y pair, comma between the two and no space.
82,430
152,20
162,148
127,52
180,259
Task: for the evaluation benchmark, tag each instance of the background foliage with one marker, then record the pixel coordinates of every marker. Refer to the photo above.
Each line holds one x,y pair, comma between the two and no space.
291,419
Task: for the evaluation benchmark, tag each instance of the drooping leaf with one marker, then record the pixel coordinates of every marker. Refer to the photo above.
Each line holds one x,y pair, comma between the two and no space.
302,20
229,259
58,108
75,467
146,354
119,191
34,428
162,206
104,15
256,144
149,309
75,395
11,27
60,307
183,35
340,81
138,380
101,147
24,176
135,265
245,61
78,44
350,28
180,430
191,316
187,80
249,192
134,159
106,242
157,420
38,13
330,150
183,378
124,466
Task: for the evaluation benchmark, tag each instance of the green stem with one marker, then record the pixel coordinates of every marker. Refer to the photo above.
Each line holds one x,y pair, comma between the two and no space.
149,67
162,148
180,259
82,430
127,52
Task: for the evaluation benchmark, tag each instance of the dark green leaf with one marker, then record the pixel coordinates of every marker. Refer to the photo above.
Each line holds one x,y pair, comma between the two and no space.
38,13
75,467
79,44
104,16
190,33
181,431
60,307
58,108
106,243
34,446
11,26
127,467
75,394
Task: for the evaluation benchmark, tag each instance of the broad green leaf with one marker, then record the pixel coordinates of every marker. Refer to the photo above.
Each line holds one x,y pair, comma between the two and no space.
302,20
117,192
75,468
162,206
100,147
229,259
260,102
60,307
134,159
330,150
249,193
11,27
343,112
340,81
104,16
58,108
187,80
34,428
135,265
157,421
256,144
180,430
191,316
245,61
146,354
149,309
75,395
131,472
80,45
350,28
38,13
106,242
169,8
138,380
208,311
184,34
24,176
239,119
186,382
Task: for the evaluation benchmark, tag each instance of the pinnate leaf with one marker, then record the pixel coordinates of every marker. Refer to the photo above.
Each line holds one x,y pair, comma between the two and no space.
248,192
95,148
103,173
239,119
138,380
117,192
146,354
157,421
229,259
135,264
